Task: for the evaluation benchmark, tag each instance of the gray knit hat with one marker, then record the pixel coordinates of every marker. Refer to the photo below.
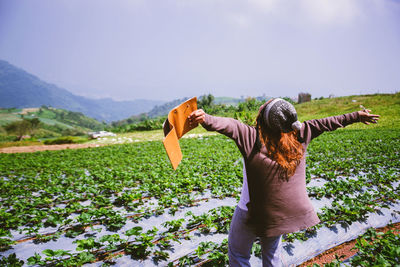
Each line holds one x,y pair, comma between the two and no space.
281,115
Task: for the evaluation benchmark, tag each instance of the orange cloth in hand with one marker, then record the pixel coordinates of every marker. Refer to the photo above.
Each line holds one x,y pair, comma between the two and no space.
175,126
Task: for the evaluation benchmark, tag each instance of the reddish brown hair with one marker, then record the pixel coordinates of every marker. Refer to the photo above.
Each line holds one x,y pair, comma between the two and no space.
283,148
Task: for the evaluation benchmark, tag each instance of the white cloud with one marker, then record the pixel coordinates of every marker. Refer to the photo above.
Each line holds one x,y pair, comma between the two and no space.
331,11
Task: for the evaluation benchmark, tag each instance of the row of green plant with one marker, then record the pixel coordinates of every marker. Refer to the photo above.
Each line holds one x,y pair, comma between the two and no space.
140,244
45,189
51,179
373,248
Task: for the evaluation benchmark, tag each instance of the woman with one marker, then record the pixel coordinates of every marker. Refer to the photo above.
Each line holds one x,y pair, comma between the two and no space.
274,199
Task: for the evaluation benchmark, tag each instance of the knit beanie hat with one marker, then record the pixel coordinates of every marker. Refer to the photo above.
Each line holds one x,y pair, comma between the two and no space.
280,115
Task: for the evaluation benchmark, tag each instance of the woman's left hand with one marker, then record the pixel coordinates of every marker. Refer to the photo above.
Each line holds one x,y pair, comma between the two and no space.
367,118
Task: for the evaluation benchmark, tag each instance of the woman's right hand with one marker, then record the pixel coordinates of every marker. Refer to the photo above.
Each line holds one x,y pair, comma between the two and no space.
367,118
197,116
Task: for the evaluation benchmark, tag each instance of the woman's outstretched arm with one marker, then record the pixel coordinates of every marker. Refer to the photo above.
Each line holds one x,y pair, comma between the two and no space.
243,135
313,128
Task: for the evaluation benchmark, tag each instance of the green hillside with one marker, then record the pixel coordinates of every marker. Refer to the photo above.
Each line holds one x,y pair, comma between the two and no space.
53,122
386,105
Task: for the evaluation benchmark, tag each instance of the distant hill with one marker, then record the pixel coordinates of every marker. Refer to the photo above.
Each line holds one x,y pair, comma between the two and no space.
19,89
162,110
53,122
157,112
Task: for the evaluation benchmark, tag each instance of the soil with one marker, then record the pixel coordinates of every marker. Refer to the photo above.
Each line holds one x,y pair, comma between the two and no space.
344,249
24,149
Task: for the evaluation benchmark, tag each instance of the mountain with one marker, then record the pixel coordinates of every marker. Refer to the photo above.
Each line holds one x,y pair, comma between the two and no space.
162,110
19,89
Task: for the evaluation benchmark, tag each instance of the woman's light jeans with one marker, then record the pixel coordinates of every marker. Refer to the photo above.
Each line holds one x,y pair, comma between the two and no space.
241,239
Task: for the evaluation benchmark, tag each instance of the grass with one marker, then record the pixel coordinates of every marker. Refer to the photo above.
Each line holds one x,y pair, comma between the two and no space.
66,140
386,105
20,143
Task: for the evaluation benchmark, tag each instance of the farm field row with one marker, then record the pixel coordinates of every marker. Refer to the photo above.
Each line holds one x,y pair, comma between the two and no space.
125,204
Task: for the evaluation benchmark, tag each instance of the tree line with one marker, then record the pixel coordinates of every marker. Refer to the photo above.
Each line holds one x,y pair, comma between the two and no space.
244,112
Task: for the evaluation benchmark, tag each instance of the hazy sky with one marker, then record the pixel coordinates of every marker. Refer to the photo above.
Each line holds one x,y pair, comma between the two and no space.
168,49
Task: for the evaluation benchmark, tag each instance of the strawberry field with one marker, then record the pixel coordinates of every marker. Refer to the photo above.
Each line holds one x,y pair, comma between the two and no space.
124,204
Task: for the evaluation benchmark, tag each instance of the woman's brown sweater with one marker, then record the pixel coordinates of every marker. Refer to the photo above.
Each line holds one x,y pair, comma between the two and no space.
277,206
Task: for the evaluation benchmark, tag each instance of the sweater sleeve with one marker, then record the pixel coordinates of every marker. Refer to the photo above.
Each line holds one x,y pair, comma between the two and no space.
243,135
313,128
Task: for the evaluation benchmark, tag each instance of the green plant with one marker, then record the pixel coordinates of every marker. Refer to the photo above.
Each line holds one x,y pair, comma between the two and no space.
11,260
377,249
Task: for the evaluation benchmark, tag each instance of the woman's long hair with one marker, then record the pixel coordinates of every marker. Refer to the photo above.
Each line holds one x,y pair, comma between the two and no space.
283,148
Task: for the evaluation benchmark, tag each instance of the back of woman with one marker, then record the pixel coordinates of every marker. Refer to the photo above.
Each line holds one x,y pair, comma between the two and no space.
274,199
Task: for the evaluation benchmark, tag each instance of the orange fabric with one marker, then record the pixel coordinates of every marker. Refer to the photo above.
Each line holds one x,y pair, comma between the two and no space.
175,126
